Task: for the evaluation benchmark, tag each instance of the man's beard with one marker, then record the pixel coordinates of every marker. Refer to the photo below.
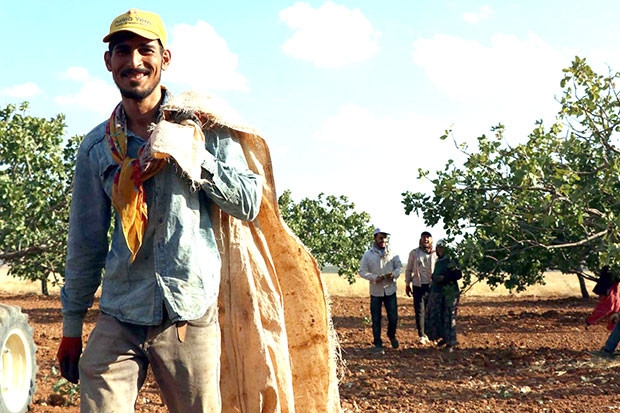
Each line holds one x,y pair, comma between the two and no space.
138,94
428,248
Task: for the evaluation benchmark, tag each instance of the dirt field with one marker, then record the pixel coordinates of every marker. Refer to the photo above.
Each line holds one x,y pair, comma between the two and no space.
524,353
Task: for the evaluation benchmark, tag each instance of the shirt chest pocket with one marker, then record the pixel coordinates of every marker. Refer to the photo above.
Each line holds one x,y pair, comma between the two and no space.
106,168
107,178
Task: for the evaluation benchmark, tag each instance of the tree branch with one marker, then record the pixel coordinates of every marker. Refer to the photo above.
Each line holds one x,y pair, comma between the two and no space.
8,256
575,244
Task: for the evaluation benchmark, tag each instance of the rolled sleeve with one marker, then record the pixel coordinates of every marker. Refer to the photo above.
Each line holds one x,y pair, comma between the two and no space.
229,182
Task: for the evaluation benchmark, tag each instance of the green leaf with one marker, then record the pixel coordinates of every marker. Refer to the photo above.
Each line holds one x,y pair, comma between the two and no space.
547,203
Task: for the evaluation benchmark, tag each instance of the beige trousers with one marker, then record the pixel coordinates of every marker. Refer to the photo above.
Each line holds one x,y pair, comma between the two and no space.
115,361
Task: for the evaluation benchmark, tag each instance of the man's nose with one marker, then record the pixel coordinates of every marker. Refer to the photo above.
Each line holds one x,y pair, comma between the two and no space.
136,58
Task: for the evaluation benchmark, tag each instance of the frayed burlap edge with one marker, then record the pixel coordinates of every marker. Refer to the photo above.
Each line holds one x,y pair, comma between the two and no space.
315,359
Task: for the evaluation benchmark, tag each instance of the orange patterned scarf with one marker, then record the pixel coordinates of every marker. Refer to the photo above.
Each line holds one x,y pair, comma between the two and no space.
128,195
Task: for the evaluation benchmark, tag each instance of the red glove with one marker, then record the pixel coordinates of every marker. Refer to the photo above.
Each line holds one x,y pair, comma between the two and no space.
408,290
68,356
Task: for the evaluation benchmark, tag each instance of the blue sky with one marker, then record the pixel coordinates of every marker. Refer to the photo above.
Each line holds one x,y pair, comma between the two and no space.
351,96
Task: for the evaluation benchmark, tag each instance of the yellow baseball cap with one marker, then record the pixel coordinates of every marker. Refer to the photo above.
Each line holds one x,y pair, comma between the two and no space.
143,23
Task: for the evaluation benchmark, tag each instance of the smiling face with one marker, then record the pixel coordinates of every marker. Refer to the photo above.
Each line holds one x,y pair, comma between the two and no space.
381,239
136,64
426,240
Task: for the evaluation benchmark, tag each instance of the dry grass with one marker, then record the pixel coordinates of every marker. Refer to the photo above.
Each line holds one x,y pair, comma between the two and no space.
557,284
17,286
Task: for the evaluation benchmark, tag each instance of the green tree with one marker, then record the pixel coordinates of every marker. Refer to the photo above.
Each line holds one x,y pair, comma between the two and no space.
331,229
550,203
36,169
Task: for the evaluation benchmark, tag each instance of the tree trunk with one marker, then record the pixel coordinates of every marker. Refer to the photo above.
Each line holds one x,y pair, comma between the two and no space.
44,289
582,286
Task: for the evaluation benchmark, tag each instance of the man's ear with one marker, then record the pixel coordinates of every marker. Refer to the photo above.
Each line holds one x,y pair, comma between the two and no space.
108,60
165,59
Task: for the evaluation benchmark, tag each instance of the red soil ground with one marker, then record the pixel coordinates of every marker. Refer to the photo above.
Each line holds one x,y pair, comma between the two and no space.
515,355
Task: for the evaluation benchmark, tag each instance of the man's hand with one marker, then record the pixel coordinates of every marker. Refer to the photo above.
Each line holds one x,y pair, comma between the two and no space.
408,290
380,278
68,356
389,276
184,142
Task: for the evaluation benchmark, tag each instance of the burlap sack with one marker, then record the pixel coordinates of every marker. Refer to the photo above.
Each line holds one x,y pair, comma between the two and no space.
279,350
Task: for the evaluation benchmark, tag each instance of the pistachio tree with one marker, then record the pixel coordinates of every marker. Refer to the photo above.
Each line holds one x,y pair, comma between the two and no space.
36,166
550,203
331,229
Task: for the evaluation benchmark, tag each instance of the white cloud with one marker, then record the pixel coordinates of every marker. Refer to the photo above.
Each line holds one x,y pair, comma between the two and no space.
357,134
373,158
352,124
77,74
472,17
514,76
94,94
25,90
202,61
330,36
603,61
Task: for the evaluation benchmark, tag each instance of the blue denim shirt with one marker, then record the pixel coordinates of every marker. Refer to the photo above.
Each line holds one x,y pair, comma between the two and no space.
178,264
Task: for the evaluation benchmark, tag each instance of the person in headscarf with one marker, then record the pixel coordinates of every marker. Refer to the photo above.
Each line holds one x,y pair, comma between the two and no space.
608,309
443,299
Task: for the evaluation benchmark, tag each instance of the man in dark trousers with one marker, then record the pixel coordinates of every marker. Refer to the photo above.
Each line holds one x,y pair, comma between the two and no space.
381,268
420,266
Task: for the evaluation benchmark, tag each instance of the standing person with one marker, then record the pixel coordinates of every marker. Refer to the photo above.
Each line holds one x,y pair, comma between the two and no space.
185,216
381,268
420,266
443,299
159,296
608,307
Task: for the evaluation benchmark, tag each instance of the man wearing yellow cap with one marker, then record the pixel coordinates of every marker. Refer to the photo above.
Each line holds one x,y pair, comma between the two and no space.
158,299
195,221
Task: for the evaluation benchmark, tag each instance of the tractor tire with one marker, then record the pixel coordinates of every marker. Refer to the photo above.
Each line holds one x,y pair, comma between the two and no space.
18,365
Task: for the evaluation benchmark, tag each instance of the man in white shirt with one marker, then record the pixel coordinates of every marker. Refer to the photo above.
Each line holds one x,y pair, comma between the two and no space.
381,268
